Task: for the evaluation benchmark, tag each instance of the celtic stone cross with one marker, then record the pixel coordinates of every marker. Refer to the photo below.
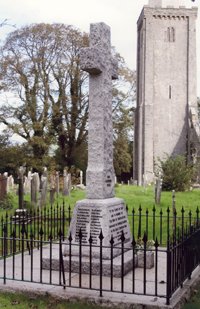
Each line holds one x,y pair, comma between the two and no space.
98,61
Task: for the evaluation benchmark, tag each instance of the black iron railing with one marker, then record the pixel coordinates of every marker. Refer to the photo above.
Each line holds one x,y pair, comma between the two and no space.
27,240
161,223
50,221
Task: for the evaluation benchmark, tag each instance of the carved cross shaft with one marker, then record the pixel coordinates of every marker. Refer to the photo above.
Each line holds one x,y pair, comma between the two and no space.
97,60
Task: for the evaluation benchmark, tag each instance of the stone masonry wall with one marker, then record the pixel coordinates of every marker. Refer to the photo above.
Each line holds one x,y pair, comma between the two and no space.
166,84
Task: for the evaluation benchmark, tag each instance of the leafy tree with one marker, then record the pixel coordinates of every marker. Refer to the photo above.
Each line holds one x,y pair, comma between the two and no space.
40,67
198,106
177,174
123,108
12,156
122,126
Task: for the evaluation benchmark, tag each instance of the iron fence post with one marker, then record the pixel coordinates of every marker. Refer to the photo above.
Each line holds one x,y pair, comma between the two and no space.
122,238
133,274
111,262
41,248
168,285
145,261
70,258
101,237
4,252
90,261
80,257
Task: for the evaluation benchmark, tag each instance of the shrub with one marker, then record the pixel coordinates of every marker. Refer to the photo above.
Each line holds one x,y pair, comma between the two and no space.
176,173
7,202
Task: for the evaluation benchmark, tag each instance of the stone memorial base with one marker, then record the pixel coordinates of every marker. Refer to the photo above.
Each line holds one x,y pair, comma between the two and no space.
95,264
92,216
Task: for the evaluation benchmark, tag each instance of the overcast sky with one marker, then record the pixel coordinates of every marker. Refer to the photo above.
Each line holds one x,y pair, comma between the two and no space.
120,15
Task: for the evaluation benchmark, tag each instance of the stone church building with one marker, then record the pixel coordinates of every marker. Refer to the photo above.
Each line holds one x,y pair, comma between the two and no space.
166,119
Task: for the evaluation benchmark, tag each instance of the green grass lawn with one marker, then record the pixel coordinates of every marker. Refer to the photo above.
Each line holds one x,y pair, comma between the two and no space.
194,302
135,197
21,301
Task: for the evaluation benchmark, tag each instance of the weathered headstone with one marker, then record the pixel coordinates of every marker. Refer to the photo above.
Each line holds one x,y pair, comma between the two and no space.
6,176
57,183
69,182
21,172
10,183
81,177
52,188
27,183
34,188
101,211
43,187
158,189
65,183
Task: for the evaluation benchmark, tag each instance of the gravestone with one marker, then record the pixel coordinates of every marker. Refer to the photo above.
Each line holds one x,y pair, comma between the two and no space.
34,188
43,187
81,185
3,186
65,183
52,188
10,183
27,183
100,211
57,183
81,178
21,172
69,182
6,176
158,189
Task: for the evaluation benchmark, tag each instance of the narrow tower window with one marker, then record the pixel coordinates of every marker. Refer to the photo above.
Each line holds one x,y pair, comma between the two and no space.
170,91
170,34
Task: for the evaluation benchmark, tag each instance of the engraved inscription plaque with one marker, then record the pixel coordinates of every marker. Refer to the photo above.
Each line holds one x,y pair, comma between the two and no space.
83,219
118,223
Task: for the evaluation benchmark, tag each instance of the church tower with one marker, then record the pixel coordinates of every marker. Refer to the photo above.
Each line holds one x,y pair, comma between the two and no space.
166,83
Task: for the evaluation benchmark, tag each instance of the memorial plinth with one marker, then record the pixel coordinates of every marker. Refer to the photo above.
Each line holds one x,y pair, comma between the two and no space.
94,216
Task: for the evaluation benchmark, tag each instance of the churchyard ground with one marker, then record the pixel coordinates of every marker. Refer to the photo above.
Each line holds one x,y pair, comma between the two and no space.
21,301
133,196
